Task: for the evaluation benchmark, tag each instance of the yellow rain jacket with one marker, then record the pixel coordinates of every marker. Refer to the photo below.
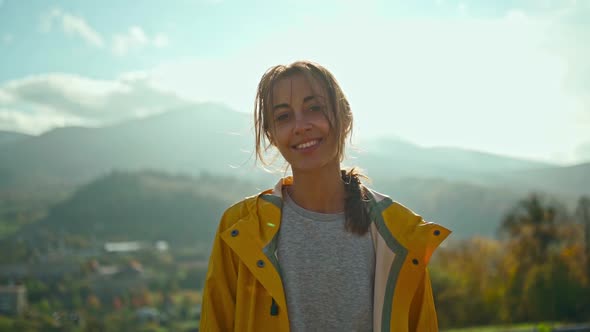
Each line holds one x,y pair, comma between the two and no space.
243,288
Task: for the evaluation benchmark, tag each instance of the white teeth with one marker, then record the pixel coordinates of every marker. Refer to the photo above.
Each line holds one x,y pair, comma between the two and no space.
308,144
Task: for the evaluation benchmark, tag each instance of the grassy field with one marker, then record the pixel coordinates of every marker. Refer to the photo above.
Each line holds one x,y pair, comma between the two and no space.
499,328
7,229
538,327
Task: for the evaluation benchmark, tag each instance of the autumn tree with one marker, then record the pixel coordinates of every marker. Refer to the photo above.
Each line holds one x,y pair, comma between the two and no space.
532,228
533,239
583,215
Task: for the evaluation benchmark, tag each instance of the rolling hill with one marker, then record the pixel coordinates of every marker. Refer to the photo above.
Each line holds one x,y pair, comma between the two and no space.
185,210
214,138
145,205
207,137
7,137
468,191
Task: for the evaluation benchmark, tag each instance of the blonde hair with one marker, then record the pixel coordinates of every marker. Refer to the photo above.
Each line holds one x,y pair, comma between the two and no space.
337,111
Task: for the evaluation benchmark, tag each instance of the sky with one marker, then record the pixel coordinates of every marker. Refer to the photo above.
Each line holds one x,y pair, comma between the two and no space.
505,77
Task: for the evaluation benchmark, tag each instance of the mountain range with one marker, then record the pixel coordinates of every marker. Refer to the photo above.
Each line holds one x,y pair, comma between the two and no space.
7,137
212,138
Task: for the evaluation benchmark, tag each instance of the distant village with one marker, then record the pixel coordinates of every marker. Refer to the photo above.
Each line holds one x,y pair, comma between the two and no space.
110,276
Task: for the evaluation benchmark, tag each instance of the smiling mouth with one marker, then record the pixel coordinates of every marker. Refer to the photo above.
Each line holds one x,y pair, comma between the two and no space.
308,144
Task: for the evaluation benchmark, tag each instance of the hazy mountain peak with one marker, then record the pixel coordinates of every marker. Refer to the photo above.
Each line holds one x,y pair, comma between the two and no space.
7,137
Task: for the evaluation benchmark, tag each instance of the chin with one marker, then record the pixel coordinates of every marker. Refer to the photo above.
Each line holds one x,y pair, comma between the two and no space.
312,166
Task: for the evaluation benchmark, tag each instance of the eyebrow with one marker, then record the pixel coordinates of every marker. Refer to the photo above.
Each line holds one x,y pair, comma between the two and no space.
305,100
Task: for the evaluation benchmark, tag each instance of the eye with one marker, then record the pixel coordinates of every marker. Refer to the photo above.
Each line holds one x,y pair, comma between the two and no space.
282,117
316,108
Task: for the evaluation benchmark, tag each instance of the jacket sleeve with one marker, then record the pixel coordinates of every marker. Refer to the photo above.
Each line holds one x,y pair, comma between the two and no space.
422,311
219,293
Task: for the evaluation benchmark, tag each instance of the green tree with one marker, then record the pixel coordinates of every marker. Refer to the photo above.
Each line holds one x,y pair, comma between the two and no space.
532,228
467,280
543,284
5,324
583,215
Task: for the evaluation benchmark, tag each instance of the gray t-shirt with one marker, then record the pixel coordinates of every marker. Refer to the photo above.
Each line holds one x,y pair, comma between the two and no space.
327,272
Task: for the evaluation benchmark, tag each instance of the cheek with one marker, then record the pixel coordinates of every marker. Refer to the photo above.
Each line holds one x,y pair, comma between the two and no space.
321,121
324,125
280,137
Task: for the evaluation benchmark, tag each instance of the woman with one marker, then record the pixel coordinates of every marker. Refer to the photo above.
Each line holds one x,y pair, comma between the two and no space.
320,251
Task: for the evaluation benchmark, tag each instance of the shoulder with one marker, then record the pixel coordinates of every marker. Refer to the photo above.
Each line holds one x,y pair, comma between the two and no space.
241,210
236,212
380,203
402,221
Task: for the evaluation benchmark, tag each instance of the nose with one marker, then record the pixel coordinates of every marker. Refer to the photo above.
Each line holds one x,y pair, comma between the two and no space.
302,124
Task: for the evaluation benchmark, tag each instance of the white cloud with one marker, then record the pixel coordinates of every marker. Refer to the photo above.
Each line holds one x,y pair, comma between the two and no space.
36,122
567,30
122,44
135,38
160,40
72,25
229,80
583,151
5,98
63,99
462,8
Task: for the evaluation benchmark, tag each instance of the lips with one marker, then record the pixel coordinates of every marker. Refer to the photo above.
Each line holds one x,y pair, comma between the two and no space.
307,144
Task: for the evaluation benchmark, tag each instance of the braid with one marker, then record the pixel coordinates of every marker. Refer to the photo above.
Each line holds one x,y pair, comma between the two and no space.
357,217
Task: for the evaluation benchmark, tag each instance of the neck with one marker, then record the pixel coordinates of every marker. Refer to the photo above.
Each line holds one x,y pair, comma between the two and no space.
318,190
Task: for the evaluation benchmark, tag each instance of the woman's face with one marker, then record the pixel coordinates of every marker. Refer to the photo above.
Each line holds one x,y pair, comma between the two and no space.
299,126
